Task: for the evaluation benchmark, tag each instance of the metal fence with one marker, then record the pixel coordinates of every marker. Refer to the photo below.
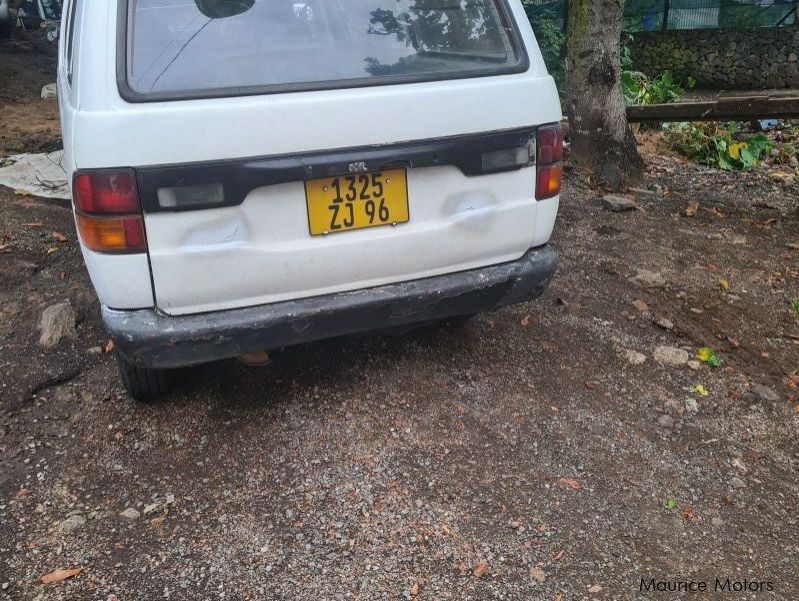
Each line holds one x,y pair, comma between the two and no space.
665,15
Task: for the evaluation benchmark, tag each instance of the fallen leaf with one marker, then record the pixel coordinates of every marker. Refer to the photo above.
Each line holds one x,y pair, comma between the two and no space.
594,588
525,321
538,574
6,248
733,341
22,492
33,224
573,484
559,555
724,285
558,597
59,236
709,356
52,249
414,589
688,513
700,390
692,208
481,569
21,192
793,245
109,346
60,575
640,306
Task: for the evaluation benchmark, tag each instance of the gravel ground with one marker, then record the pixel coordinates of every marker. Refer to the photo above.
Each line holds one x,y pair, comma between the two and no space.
534,452
540,452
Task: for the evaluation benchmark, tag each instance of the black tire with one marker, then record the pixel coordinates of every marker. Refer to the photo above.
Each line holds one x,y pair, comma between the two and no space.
143,384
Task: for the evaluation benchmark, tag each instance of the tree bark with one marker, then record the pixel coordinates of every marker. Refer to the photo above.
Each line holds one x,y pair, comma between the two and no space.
601,139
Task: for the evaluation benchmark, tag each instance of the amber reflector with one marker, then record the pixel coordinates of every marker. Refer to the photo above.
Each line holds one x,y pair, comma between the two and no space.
122,235
548,181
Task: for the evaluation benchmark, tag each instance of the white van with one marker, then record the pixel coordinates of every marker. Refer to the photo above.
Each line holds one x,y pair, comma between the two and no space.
253,174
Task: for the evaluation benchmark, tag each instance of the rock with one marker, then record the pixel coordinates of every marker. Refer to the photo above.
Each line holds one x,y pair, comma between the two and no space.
538,574
634,357
649,279
737,483
73,522
691,405
95,350
717,522
666,422
694,364
514,524
594,589
619,204
765,394
148,509
49,91
130,514
664,323
57,322
669,355
170,499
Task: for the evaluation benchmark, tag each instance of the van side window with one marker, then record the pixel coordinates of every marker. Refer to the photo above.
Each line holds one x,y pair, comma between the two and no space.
71,6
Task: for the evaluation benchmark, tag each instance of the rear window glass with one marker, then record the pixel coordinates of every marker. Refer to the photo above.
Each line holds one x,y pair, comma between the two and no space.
201,45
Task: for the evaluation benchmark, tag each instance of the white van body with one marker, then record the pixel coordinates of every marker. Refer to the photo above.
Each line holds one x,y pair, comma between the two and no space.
256,250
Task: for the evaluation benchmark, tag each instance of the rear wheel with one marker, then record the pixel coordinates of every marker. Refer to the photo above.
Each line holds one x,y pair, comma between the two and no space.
142,384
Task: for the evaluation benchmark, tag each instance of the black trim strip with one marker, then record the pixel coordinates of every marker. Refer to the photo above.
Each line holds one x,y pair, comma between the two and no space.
131,95
240,177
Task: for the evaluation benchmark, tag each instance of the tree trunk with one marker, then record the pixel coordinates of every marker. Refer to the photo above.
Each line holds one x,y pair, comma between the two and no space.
601,139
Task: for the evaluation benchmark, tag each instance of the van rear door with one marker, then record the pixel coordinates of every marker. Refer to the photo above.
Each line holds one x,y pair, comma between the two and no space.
291,149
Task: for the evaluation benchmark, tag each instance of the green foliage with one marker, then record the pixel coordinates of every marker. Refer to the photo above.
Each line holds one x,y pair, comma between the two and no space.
709,356
670,504
795,307
551,40
714,145
639,88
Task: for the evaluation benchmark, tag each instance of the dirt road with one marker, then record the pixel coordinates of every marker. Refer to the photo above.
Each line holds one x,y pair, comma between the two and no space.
541,452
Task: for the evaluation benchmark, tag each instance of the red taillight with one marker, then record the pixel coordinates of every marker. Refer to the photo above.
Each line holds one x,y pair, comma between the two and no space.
549,144
107,193
109,212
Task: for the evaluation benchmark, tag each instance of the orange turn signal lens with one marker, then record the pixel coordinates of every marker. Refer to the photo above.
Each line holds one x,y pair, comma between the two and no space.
548,181
114,235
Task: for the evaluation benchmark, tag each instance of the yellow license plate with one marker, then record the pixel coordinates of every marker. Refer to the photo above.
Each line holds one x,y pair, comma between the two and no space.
356,201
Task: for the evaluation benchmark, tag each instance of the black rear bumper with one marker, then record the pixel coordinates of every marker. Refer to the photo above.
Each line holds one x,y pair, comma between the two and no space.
151,339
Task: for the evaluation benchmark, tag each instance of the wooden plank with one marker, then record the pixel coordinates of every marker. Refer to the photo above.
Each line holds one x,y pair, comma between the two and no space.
741,108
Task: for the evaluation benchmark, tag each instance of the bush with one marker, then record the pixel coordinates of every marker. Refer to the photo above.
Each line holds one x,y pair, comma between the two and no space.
639,88
714,145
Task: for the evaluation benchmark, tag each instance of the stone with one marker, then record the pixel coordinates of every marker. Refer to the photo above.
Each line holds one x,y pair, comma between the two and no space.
664,323
737,483
666,422
634,357
694,364
538,574
691,405
717,522
594,589
669,355
619,204
130,514
765,394
49,91
73,522
649,279
57,322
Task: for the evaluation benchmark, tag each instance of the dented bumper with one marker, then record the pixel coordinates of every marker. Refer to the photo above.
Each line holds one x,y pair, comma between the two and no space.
150,339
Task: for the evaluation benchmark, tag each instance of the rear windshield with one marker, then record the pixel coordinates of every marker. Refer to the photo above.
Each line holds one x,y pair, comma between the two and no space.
185,46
